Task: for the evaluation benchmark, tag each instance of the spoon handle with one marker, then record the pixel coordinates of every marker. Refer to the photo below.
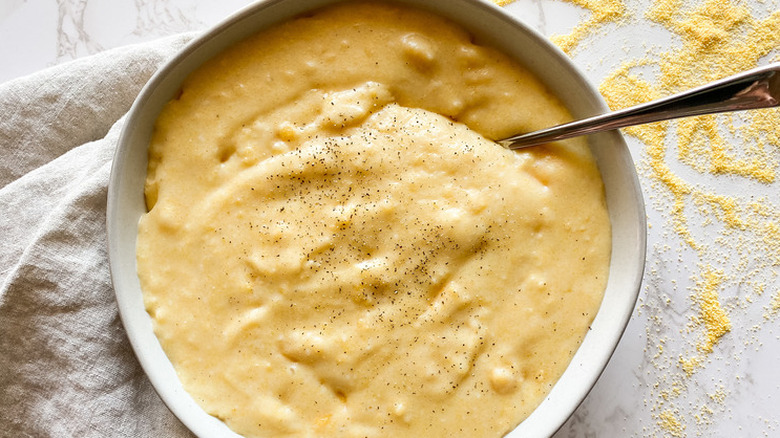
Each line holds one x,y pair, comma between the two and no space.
753,89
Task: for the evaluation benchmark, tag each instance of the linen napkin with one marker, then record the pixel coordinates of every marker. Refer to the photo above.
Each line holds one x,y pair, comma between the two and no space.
66,366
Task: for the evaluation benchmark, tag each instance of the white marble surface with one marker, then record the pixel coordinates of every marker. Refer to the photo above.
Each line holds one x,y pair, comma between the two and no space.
644,391
35,34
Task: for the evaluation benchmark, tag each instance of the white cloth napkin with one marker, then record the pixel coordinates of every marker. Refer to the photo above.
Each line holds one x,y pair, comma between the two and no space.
66,367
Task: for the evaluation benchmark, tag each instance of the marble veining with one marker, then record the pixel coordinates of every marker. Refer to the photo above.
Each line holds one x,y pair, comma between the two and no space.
39,33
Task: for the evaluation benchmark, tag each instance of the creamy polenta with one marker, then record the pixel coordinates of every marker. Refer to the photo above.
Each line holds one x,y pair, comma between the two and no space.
334,247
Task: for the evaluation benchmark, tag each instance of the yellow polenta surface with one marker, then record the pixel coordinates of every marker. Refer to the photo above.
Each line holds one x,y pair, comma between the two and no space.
334,248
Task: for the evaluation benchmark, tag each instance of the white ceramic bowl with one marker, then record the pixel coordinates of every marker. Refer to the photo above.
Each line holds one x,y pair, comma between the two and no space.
491,25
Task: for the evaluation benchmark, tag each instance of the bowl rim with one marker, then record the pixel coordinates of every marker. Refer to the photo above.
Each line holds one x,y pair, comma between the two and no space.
608,326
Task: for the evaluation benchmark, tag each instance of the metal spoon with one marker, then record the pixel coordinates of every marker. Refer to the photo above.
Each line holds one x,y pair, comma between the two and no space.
753,89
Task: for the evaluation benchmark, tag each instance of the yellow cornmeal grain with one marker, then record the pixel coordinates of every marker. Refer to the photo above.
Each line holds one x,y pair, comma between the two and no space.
720,39
702,146
671,424
704,416
674,391
712,39
775,306
719,395
502,2
602,11
690,365
663,10
711,314
621,90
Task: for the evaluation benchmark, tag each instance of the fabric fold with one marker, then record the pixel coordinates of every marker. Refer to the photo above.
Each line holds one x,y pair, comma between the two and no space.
66,365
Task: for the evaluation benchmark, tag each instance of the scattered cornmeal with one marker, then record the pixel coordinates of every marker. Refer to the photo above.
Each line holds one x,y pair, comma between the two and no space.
602,11
671,424
348,254
740,254
711,314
